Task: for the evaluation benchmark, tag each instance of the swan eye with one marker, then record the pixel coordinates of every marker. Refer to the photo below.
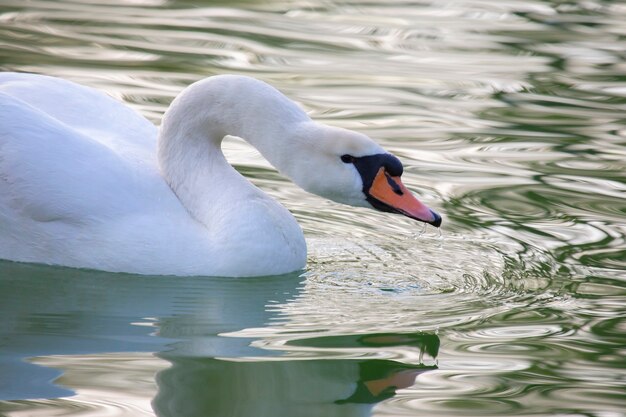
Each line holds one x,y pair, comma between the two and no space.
347,158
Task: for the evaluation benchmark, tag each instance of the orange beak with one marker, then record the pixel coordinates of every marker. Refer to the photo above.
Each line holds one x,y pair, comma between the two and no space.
390,191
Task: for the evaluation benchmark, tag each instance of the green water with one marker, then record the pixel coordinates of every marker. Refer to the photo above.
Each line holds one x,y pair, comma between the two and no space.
510,119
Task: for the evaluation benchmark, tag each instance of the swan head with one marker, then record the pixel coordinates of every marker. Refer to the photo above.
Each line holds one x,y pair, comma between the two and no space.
350,168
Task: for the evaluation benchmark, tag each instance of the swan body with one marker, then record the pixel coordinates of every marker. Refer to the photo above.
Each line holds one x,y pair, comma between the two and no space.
87,182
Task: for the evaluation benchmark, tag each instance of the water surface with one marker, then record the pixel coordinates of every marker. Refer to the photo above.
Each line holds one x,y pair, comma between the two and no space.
509,118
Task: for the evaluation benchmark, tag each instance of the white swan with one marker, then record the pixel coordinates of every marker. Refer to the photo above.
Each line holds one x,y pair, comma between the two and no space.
84,184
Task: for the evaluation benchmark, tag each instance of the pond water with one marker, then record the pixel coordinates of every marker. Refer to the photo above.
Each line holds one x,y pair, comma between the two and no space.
510,119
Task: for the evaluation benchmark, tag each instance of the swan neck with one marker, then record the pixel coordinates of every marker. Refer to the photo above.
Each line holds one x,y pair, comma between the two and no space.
194,126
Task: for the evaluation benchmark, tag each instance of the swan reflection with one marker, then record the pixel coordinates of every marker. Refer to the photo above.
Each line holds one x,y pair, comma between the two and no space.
196,387
79,326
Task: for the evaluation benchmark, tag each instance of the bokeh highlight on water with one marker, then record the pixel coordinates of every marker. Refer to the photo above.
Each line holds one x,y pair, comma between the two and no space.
509,117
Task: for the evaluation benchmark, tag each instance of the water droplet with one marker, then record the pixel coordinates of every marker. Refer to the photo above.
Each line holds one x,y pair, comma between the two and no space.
440,238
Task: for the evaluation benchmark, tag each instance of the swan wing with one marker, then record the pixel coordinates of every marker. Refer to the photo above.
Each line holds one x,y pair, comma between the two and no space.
70,153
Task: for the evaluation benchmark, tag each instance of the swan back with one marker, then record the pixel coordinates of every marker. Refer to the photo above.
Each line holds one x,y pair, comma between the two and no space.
80,185
73,151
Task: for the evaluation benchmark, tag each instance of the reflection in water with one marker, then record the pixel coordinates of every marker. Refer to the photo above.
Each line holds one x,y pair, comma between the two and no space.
185,320
88,312
197,387
202,386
